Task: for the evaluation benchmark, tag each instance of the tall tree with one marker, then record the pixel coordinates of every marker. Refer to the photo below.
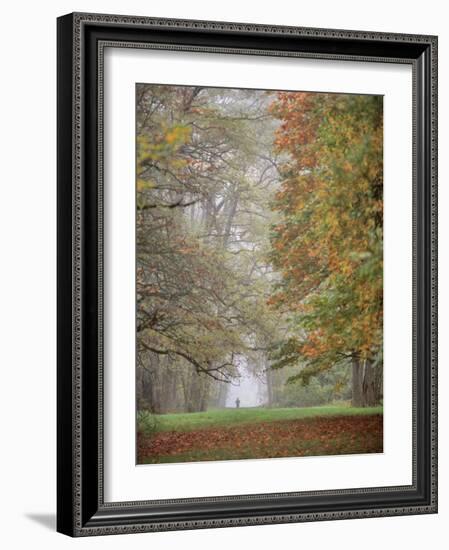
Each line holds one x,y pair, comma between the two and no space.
328,244
204,178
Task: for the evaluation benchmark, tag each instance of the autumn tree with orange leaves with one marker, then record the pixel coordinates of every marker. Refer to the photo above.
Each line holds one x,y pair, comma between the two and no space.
327,246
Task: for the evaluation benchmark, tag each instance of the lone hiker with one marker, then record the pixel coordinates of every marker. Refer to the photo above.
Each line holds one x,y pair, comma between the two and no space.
237,403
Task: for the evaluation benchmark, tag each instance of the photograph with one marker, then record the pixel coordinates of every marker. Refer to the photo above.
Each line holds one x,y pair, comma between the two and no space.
247,278
259,273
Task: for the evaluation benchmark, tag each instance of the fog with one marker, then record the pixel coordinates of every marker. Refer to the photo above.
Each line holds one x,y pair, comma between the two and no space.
250,388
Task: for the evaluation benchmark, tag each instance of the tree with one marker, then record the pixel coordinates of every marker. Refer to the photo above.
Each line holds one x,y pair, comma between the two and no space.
204,179
328,244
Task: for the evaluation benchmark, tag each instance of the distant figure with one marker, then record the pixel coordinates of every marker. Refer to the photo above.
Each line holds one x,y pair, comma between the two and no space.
237,402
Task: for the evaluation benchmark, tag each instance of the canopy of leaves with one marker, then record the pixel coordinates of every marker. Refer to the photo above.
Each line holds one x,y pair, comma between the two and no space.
328,243
205,176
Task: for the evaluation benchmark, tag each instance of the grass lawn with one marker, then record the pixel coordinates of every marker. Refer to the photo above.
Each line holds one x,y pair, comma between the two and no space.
231,417
229,434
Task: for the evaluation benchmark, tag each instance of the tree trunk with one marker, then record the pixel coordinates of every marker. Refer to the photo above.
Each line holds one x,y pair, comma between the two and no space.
222,394
379,382
172,393
368,385
366,389
193,393
357,398
205,385
269,379
198,393
230,218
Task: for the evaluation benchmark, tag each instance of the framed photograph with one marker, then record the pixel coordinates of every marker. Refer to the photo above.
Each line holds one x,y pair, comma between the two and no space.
247,283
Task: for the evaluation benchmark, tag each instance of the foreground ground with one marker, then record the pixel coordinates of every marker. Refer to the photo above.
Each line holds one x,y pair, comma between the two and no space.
231,434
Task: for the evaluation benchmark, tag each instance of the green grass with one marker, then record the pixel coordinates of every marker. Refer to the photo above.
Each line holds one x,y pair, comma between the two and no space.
232,417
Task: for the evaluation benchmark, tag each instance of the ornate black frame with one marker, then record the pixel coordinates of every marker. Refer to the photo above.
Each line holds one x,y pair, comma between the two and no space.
81,509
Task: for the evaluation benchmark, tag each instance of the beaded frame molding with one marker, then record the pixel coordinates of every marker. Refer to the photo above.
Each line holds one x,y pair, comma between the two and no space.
81,509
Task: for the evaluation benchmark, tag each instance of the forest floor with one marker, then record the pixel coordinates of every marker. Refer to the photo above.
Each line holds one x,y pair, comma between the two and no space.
230,434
